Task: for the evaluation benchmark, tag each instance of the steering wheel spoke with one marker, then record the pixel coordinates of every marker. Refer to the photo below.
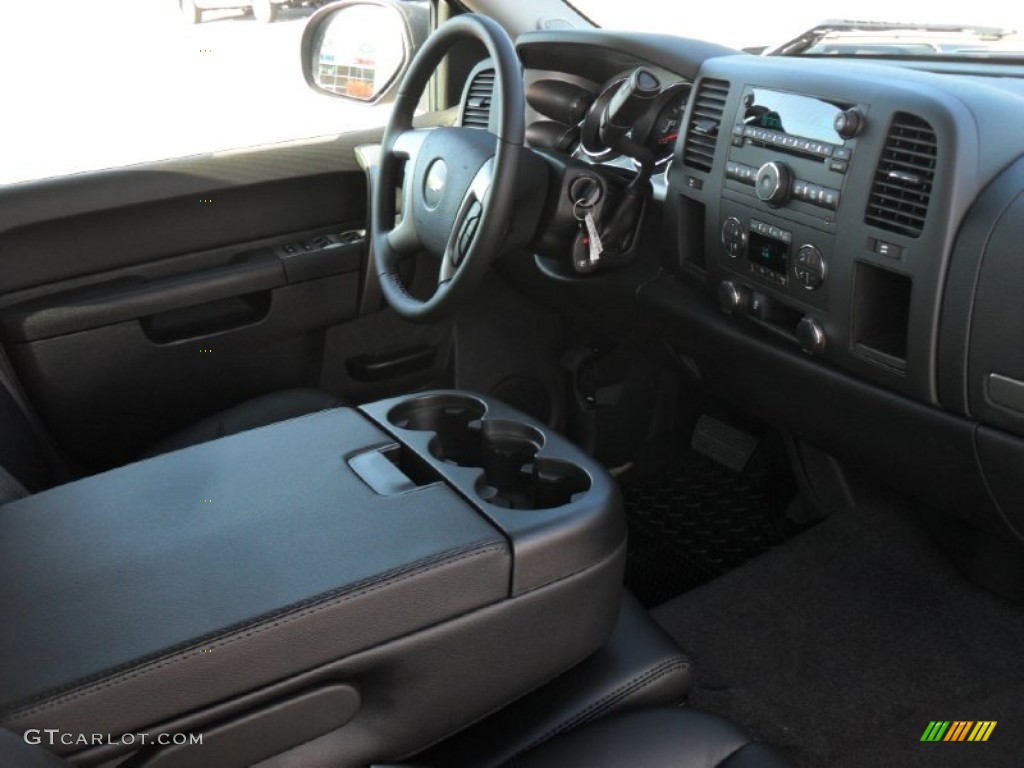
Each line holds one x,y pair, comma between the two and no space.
407,144
467,222
406,148
403,238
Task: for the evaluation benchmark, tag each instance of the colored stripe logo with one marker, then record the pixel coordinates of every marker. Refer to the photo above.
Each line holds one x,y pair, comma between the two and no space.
958,730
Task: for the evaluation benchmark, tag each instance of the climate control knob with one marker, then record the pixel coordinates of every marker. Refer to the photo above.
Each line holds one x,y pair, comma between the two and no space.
809,267
734,237
773,183
811,335
733,297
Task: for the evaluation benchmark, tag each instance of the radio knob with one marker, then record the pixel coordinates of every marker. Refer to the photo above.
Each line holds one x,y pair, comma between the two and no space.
773,183
811,335
733,297
848,123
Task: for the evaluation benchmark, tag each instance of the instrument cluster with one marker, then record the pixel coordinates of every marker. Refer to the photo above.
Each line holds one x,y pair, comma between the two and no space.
574,115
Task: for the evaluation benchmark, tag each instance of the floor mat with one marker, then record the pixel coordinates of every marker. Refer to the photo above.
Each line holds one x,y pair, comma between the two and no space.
691,525
843,645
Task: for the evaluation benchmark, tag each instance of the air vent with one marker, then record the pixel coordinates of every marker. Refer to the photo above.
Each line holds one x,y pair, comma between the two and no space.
476,111
705,120
903,181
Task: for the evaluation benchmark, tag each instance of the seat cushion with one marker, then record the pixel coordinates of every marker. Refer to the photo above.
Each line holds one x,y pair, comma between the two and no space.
21,453
15,750
639,665
655,738
257,412
10,488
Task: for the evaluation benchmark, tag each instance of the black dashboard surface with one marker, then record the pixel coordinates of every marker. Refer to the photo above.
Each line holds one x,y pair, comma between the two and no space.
911,218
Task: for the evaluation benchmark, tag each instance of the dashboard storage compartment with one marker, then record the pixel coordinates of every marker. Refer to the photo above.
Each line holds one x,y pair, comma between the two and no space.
881,315
343,548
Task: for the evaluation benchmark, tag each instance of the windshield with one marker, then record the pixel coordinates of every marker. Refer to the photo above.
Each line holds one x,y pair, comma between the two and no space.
909,28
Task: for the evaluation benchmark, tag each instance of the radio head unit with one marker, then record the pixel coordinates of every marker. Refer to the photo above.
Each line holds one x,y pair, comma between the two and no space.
788,158
794,114
792,148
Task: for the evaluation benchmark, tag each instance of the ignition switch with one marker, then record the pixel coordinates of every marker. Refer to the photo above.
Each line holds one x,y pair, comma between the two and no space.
586,191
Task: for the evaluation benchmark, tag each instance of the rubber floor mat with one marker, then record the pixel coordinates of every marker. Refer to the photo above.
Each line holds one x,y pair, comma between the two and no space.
691,525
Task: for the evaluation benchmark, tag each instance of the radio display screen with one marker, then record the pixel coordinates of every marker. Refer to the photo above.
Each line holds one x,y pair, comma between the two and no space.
792,113
769,253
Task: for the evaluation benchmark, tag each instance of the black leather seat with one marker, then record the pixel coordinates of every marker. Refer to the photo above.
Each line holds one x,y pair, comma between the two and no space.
639,665
647,738
25,466
655,738
613,709
257,412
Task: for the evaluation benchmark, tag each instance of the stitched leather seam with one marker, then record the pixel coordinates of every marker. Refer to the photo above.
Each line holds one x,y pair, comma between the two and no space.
401,287
590,713
602,705
463,728
539,685
256,629
736,751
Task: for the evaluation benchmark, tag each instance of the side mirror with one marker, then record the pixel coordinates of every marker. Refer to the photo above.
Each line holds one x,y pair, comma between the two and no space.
359,49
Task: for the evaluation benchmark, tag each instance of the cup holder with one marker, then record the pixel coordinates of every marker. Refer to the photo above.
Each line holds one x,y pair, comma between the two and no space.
454,420
513,477
432,413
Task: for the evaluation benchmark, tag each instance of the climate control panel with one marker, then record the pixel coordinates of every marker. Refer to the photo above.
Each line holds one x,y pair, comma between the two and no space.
772,253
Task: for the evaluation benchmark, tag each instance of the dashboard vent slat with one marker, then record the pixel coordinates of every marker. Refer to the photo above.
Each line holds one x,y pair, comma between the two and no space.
903,181
476,110
705,124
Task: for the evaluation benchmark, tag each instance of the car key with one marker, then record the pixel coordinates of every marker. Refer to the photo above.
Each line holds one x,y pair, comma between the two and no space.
587,246
596,247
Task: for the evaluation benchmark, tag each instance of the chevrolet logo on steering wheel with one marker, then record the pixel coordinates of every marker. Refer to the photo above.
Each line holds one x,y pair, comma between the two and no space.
433,187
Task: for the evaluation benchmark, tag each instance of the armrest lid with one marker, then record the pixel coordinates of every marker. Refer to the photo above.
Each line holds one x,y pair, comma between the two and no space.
192,576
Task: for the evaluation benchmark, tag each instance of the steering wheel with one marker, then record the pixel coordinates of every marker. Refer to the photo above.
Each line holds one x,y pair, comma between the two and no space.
459,188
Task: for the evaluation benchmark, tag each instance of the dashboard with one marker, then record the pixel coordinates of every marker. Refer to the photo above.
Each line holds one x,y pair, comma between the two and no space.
836,246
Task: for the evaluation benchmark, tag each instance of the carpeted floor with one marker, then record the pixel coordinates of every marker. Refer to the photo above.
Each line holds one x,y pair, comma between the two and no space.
694,522
842,645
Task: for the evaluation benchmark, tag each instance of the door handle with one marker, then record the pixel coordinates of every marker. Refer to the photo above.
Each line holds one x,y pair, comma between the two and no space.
391,365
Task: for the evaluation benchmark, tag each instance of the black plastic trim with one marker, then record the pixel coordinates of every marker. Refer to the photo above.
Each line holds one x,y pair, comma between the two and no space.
920,449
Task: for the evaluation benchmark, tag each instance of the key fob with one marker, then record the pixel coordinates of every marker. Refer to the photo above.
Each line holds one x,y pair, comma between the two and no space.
581,261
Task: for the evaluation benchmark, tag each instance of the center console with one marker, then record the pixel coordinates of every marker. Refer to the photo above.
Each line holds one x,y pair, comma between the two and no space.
338,589
805,203
791,152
